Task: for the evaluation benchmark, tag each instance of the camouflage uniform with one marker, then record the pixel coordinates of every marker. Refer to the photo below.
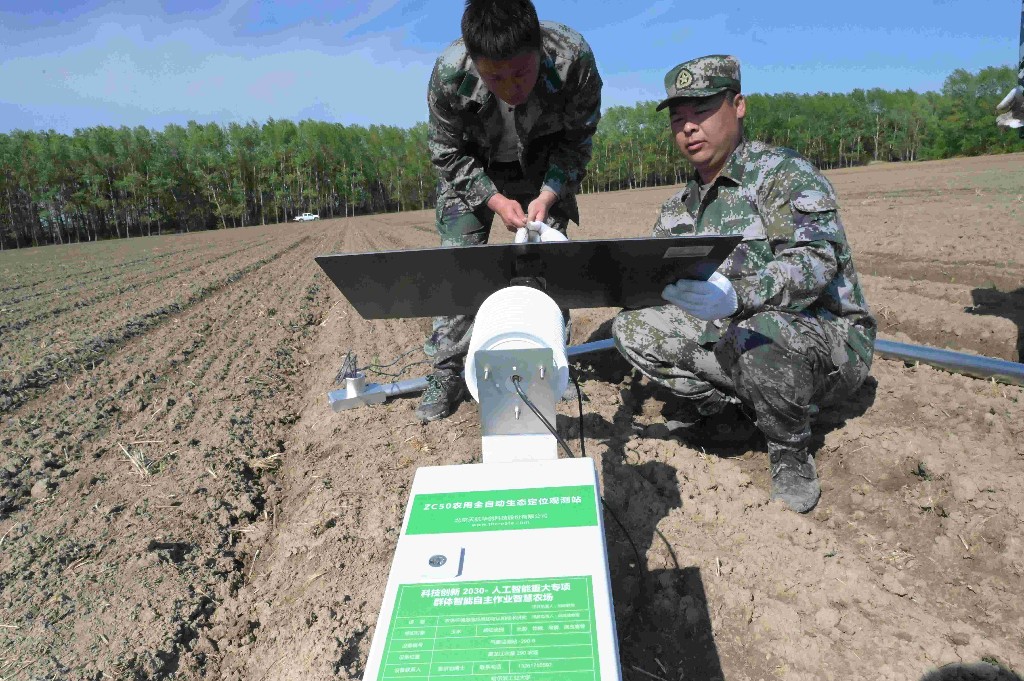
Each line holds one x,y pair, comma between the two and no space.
802,333
555,126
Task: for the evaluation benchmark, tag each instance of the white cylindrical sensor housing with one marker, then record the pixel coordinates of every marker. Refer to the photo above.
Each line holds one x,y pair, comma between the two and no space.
519,317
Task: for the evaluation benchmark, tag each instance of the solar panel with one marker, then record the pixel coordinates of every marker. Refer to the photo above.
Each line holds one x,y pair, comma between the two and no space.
628,273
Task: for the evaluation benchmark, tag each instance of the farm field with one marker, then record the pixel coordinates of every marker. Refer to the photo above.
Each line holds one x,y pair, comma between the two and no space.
178,501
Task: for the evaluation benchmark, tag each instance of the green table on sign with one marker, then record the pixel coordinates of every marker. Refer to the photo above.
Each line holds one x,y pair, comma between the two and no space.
497,630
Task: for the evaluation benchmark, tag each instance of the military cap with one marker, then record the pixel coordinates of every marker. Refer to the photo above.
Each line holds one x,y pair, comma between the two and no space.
701,77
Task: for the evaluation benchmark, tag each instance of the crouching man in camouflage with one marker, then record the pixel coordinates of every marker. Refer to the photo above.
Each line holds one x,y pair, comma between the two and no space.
514,105
783,326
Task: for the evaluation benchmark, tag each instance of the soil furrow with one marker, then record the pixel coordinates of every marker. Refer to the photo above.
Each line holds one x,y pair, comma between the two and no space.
52,368
947,316
159,406
48,276
118,289
1005,277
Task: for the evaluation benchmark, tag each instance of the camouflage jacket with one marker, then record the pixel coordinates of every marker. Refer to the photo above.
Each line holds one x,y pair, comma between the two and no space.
555,125
794,256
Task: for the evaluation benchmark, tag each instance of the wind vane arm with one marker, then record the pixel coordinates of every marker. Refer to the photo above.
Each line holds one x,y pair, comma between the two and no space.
1011,109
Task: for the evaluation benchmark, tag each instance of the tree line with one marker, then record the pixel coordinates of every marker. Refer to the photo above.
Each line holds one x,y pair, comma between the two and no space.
105,182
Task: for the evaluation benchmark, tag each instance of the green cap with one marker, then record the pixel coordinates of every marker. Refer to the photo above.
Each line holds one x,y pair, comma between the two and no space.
701,77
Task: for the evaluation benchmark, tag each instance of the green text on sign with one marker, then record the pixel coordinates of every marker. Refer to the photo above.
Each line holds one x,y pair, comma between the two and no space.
513,509
522,629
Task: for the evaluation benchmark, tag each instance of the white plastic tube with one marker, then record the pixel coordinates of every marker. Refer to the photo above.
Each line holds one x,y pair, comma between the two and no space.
519,317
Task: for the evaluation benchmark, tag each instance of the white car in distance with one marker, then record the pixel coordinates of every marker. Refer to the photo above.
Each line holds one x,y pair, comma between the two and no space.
306,217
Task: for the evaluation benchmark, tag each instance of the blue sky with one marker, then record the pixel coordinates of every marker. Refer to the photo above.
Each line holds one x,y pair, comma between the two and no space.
67,65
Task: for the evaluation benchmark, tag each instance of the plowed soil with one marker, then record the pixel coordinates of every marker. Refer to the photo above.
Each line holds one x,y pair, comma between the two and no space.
177,500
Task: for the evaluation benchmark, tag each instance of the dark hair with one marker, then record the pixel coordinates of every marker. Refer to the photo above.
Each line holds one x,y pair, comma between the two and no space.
500,29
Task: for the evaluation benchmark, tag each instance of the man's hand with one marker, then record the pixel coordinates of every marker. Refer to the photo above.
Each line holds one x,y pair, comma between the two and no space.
707,300
538,209
510,212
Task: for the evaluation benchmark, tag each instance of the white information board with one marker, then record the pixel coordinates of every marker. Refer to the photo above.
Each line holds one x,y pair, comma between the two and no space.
500,574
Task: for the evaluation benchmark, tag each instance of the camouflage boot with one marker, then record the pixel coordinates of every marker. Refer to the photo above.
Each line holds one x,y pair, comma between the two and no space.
445,389
684,422
794,477
728,426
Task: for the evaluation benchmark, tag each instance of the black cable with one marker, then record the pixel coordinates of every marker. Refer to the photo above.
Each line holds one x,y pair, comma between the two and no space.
579,401
349,366
378,372
397,359
636,552
376,368
522,395
583,450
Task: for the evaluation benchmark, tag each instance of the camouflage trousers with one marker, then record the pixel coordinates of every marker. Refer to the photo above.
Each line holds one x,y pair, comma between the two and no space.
459,225
776,363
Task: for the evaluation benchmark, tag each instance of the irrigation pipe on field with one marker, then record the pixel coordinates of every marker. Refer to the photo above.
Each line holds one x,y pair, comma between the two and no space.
978,366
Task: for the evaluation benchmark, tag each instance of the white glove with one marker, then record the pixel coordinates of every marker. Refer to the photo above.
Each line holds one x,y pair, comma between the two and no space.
1011,109
536,232
707,300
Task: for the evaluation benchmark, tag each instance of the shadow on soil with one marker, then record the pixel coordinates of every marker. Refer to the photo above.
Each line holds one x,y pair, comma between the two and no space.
662,615
993,302
981,671
663,623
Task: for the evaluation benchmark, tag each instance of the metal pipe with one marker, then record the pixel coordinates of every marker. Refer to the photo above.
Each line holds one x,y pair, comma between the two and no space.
586,348
977,366
373,393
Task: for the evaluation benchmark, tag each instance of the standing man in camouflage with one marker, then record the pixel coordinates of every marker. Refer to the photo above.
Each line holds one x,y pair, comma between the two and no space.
514,105
782,327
